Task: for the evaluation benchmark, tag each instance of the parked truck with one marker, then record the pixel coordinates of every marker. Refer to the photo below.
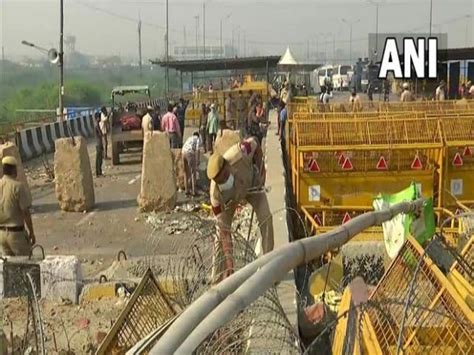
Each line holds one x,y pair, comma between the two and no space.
126,129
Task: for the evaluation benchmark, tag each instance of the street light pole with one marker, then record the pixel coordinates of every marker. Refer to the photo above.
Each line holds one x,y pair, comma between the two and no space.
61,61
204,28
376,30
350,23
431,16
197,36
221,43
167,74
222,49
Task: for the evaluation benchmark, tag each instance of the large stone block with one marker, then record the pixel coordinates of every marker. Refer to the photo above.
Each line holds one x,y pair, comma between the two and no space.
158,184
73,175
178,168
61,278
11,150
226,139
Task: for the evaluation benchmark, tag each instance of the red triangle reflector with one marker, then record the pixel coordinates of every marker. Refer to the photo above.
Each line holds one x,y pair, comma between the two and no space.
317,219
346,218
382,164
313,166
416,163
467,152
342,158
457,161
347,165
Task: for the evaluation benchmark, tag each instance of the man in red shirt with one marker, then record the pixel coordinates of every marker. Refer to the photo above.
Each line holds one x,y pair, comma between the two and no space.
170,125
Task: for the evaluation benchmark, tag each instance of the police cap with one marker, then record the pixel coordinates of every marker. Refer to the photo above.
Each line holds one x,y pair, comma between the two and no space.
9,160
214,165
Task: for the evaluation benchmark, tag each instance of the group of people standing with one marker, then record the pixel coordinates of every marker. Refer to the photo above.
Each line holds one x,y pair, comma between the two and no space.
244,113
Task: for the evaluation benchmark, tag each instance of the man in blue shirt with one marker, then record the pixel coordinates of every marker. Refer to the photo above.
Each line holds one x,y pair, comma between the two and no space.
283,117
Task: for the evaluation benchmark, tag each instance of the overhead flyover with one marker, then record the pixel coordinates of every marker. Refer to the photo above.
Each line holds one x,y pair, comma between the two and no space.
190,66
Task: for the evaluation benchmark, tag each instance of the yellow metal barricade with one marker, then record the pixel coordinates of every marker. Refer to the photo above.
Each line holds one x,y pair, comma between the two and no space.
458,132
348,162
436,318
147,309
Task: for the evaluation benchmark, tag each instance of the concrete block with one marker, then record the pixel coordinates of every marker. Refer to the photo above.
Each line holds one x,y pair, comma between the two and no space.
73,175
158,183
97,291
61,278
9,149
178,168
226,139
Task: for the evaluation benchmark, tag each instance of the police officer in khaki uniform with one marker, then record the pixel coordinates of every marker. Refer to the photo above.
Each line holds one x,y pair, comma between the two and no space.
14,213
406,95
238,176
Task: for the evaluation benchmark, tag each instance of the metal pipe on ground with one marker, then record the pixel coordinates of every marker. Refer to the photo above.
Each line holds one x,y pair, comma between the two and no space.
216,307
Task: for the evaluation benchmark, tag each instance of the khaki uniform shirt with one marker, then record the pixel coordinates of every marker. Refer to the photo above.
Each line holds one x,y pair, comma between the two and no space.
14,200
406,96
240,158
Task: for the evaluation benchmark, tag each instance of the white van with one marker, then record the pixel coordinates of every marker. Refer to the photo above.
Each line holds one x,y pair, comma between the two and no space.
342,76
325,74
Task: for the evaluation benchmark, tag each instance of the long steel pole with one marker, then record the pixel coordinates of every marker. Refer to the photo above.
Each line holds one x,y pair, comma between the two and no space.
61,60
214,308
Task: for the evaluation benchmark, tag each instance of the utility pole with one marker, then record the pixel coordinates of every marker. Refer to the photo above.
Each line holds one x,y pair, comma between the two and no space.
431,16
220,40
61,60
245,44
167,73
333,47
140,46
197,36
376,30
204,28
238,44
184,36
350,23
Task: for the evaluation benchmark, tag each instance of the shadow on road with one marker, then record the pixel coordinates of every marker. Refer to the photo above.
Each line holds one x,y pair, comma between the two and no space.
116,205
45,208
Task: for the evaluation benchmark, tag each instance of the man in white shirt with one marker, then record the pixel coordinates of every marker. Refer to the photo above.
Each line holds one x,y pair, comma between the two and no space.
104,127
147,120
190,152
440,93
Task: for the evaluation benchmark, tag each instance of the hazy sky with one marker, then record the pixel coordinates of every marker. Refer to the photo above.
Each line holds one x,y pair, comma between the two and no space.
110,26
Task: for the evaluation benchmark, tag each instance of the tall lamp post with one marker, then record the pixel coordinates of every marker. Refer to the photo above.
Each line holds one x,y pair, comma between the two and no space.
197,36
222,46
350,23
431,16
54,57
376,3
